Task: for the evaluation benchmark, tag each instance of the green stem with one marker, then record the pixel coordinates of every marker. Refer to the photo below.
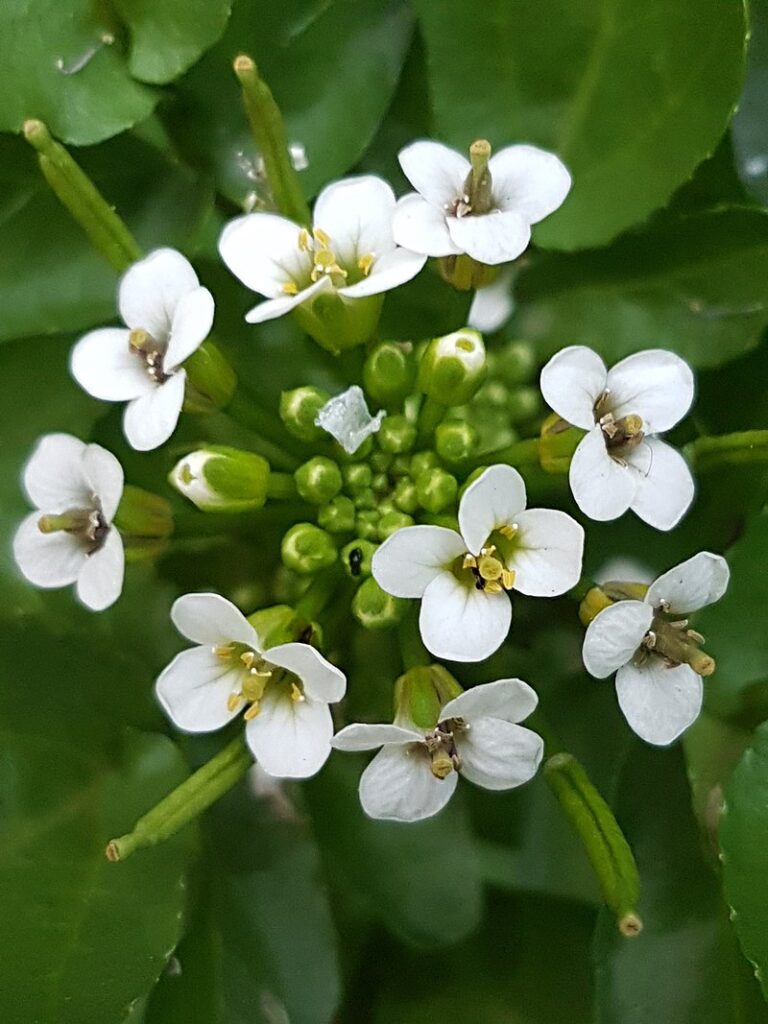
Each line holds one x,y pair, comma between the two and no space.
318,593
521,453
281,486
729,449
412,650
244,408
186,802
76,191
431,414
268,131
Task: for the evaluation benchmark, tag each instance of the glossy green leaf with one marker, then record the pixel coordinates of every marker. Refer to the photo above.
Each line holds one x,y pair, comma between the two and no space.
749,126
632,94
697,285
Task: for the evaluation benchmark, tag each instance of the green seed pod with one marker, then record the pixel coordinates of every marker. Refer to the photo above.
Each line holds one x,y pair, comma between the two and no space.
319,480
222,479
356,556
436,490
453,367
455,440
338,516
396,435
298,409
307,549
389,373
391,522
374,608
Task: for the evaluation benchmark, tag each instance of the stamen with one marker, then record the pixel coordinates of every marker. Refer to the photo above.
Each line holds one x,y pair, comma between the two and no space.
509,530
296,694
305,242
233,700
248,658
365,263
224,651
321,237
252,712
290,288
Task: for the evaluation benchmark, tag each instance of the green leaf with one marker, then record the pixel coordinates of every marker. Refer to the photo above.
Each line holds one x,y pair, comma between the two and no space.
631,94
697,285
332,68
749,126
78,945
744,844
72,287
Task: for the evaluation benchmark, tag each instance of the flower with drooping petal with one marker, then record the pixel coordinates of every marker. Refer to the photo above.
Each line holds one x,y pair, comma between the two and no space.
350,251
415,773
621,464
69,538
492,304
655,656
463,578
441,217
168,315
284,691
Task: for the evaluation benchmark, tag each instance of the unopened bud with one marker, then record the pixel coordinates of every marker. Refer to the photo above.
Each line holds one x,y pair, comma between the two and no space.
338,516
405,495
222,479
592,604
421,692
277,625
436,490
391,522
380,461
145,522
308,549
389,373
396,435
367,524
516,362
524,403
455,440
298,410
464,273
211,381
356,556
318,480
422,461
366,499
337,325
374,608
357,476
453,367
558,441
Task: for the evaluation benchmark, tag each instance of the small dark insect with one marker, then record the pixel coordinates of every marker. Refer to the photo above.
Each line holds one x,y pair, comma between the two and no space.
355,561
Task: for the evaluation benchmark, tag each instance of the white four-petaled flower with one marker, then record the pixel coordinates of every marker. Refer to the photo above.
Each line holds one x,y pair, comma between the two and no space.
620,464
70,538
284,691
415,773
463,578
168,316
653,652
349,252
527,184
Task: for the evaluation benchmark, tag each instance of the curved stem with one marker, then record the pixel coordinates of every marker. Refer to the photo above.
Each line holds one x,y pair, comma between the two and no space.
431,414
729,449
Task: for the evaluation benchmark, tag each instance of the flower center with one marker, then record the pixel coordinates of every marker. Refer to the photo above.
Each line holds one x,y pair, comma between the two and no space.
151,352
672,641
88,525
443,755
325,263
255,675
490,573
621,435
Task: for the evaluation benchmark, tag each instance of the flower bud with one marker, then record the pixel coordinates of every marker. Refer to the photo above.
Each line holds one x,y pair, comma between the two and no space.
374,608
338,516
145,522
389,373
380,483
357,476
557,443
367,524
306,548
421,692
452,368
391,522
366,499
356,556
405,495
318,480
455,440
336,324
436,490
298,409
465,273
211,381
523,404
516,362
400,466
222,479
277,625
396,435
594,601
422,461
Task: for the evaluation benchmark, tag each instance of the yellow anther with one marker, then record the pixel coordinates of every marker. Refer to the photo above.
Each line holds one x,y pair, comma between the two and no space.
233,700
139,339
252,712
248,658
365,263
509,530
321,237
305,242
490,568
296,694
225,651
470,562
632,425
508,578
441,764
290,288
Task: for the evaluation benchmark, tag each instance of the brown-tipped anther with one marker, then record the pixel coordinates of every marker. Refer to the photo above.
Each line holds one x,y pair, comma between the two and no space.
630,925
243,65
702,663
112,851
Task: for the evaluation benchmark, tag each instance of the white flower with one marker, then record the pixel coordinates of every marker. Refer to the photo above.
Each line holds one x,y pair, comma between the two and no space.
415,773
69,538
655,656
347,419
527,184
350,251
463,578
168,316
620,464
285,691
492,305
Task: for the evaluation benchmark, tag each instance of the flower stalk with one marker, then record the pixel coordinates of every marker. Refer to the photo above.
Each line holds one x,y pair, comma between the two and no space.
729,449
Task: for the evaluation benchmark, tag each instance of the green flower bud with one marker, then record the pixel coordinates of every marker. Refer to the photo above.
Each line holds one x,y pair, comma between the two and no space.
452,368
557,443
400,466
381,461
523,404
374,608
389,373
465,273
298,409
367,524
211,381
386,505
422,461
338,516
356,556
366,499
222,479
357,476
516,362
380,483
405,495
319,480
391,522
277,625
336,324
436,490
396,434
145,522
421,692
455,440
306,548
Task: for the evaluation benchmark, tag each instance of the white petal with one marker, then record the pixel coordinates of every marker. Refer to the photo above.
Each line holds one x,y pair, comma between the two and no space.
571,383
367,737
547,558
411,558
509,699
492,238
356,214
398,785
322,680
665,486
47,559
192,322
461,623
436,171
493,305
100,581
499,755
421,227
602,487
212,620
290,739
150,420
614,635
53,475
528,180
658,701
195,688
347,419
273,308
104,365
105,476
655,384
393,269
693,584
262,250
151,290
491,501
